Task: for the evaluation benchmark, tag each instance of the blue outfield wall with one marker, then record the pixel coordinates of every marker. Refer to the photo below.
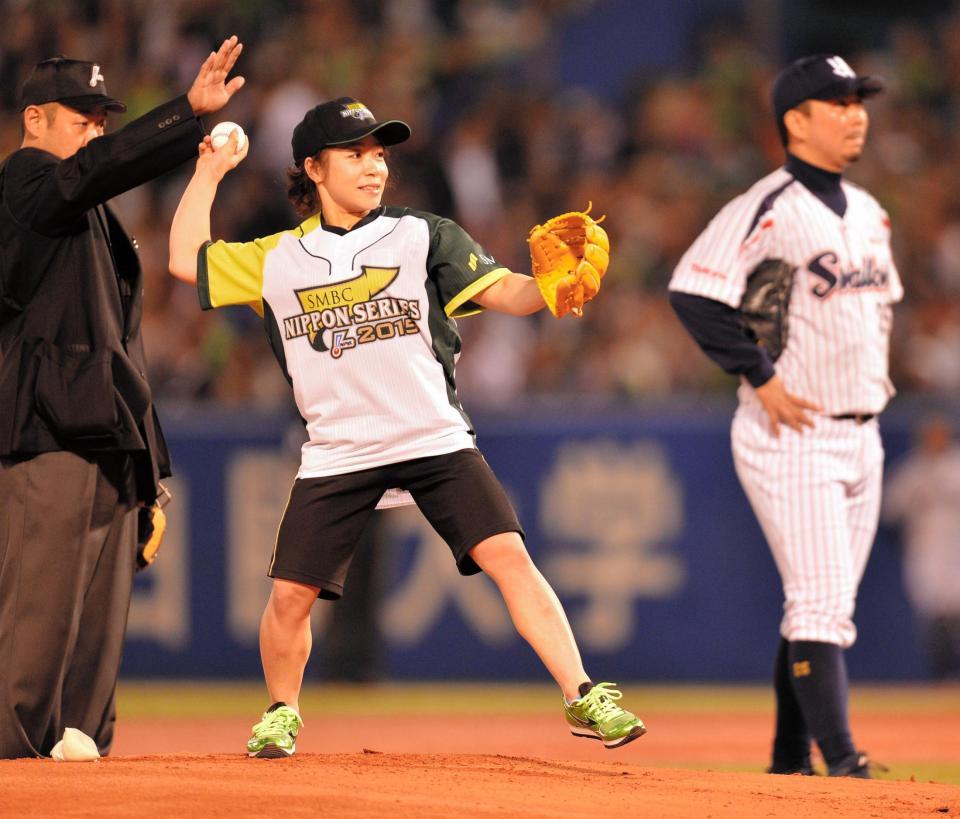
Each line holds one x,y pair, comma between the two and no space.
636,518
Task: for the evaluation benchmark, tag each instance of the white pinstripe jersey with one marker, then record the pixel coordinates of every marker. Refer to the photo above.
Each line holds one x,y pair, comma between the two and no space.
362,324
846,283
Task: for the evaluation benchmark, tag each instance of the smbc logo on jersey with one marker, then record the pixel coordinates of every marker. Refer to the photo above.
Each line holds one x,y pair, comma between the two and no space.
338,317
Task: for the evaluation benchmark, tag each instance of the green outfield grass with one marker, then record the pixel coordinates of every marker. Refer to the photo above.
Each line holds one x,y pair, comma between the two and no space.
143,699
943,774
184,698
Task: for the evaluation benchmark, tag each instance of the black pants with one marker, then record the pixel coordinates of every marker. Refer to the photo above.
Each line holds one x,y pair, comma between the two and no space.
67,553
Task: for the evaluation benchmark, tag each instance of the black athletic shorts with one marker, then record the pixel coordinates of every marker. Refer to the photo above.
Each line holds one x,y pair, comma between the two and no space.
457,492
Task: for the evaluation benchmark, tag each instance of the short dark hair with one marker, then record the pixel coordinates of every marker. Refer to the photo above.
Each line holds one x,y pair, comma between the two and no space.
49,111
804,108
302,192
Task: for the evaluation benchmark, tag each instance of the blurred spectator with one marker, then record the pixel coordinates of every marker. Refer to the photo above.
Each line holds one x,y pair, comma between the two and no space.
502,138
923,496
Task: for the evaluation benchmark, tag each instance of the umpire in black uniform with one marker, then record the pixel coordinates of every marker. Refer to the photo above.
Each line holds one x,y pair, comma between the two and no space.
80,445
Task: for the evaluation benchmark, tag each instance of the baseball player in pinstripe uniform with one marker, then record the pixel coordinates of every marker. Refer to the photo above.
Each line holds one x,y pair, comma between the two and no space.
359,303
805,438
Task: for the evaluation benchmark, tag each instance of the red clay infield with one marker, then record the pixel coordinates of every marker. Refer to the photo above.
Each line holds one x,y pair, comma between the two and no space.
455,766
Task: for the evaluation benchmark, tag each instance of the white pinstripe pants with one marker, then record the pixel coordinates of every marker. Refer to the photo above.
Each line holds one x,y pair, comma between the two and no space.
816,495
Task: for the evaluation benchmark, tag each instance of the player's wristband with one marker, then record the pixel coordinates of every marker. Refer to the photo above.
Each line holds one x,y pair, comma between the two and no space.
760,374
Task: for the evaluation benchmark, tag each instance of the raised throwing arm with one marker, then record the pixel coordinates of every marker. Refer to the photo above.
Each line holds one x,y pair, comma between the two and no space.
191,222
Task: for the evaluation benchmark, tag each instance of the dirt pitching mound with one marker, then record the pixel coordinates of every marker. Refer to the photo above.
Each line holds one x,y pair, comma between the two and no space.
373,784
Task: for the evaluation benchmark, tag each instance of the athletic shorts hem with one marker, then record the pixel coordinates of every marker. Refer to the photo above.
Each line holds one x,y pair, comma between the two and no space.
328,589
457,493
465,564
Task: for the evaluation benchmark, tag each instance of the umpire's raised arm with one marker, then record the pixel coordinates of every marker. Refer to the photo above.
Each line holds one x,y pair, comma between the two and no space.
61,175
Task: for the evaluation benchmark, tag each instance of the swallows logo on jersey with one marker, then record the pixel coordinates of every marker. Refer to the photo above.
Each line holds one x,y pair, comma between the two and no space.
833,278
350,312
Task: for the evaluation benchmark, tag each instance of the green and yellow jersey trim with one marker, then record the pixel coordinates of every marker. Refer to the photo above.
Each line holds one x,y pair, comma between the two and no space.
246,260
459,306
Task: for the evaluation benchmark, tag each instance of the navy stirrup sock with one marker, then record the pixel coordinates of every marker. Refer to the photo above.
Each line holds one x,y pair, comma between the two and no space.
818,672
791,744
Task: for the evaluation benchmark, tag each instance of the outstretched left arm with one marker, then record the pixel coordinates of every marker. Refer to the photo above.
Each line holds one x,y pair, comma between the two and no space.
515,294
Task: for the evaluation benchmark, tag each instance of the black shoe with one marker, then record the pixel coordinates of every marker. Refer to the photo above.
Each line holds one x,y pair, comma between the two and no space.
857,766
802,769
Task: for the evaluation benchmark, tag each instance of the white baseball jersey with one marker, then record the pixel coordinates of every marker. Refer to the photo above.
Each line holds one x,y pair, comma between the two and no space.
361,322
816,492
841,303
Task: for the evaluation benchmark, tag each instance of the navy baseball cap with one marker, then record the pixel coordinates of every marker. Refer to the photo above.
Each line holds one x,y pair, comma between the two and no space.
75,83
340,122
818,77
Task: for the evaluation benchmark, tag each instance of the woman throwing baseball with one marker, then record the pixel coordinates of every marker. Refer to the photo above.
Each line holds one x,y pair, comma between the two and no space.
358,302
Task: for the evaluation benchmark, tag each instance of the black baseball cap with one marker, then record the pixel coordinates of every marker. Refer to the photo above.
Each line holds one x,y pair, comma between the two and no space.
75,83
818,77
340,122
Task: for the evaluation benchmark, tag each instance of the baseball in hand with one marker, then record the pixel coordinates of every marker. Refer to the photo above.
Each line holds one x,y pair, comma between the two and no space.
75,746
221,133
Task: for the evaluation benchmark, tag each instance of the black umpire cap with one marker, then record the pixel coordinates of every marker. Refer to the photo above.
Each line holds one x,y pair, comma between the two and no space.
818,77
340,122
75,83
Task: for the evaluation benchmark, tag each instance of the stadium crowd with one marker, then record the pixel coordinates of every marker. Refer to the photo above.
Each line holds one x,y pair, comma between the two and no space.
499,145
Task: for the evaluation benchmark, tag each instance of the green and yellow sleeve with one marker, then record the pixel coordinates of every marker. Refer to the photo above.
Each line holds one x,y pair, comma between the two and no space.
460,267
231,273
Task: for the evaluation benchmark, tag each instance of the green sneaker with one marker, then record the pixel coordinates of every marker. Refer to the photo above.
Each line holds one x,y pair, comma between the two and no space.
275,736
596,715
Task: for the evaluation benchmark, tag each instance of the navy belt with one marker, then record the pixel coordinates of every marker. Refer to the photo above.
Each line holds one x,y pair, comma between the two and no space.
859,417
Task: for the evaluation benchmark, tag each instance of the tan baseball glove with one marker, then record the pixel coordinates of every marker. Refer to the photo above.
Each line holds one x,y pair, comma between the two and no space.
151,526
569,255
